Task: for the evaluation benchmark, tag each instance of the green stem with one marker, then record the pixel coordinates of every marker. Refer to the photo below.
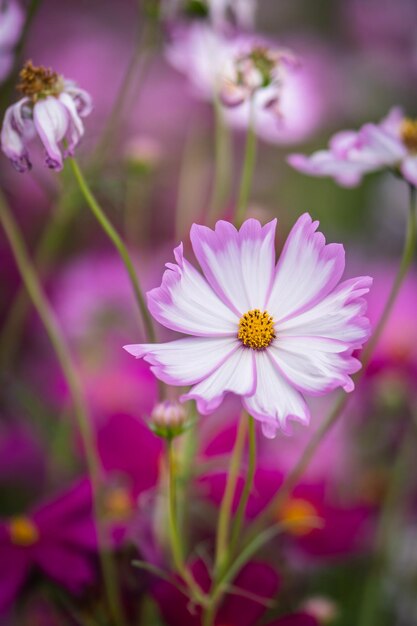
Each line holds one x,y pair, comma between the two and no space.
69,369
294,476
229,492
174,533
51,240
369,608
119,245
247,488
248,168
223,158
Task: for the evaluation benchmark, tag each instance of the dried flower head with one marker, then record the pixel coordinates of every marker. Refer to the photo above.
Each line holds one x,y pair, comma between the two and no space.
52,108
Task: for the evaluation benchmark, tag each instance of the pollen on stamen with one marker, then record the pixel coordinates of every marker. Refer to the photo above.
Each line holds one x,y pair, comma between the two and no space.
408,132
38,81
256,329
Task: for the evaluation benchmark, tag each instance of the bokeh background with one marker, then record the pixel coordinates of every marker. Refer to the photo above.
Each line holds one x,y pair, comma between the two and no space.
149,156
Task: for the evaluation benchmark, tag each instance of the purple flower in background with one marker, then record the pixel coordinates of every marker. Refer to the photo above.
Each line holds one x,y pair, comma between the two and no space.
12,18
58,538
52,108
391,144
253,590
265,332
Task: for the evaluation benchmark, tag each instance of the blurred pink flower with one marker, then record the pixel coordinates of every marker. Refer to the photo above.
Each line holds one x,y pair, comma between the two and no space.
262,331
257,579
391,144
12,18
313,517
223,14
52,108
58,538
238,68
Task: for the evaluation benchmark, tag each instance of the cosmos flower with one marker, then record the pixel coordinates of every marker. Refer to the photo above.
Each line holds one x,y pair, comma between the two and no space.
246,71
12,18
267,333
52,108
258,580
391,144
58,538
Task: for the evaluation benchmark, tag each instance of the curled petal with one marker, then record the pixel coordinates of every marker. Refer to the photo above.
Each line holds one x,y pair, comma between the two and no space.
81,98
13,143
75,125
51,122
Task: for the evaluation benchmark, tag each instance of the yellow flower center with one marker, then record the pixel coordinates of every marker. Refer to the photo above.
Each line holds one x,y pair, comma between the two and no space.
256,329
38,82
118,503
299,516
23,532
408,133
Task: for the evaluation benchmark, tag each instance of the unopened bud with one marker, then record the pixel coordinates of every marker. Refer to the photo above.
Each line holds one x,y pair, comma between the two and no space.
168,420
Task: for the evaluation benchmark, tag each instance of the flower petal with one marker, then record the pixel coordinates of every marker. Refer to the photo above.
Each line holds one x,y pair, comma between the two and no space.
186,303
314,365
75,125
51,121
185,361
15,565
81,98
307,270
239,265
72,569
339,316
327,163
409,169
382,146
12,141
237,374
275,400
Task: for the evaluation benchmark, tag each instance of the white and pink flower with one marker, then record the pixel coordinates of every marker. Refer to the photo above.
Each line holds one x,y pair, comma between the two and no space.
52,108
12,19
391,144
266,332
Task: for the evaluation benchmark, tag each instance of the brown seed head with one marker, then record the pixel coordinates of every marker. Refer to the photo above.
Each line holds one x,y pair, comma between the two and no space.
38,82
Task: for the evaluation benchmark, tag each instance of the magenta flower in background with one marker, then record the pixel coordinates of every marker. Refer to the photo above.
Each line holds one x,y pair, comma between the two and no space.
52,108
255,579
391,144
267,333
12,18
58,538
240,68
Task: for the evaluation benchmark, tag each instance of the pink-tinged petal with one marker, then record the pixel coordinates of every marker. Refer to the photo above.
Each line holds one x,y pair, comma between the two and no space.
75,126
239,265
12,19
314,365
327,163
51,121
339,316
307,270
409,169
12,142
82,99
14,567
186,361
381,146
186,303
344,141
237,374
392,121
68,567
80,533
275,400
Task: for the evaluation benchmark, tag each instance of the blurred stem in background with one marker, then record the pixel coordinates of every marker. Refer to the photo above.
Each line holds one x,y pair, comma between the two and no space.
50,242
69,369
294,476
248,168
142,54
119,245
223,165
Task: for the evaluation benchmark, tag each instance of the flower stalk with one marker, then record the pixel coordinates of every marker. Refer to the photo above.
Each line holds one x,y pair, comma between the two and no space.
248,167
118,244
69,370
